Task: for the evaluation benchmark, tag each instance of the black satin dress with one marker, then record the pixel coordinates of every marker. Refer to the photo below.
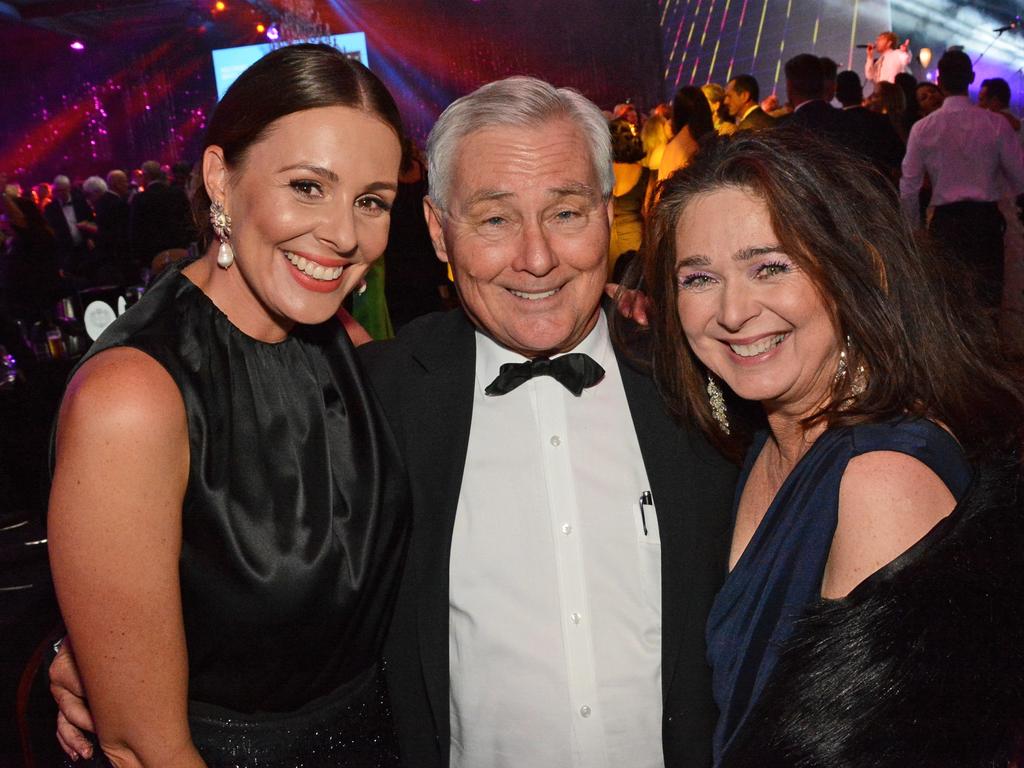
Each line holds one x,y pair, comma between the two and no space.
294,528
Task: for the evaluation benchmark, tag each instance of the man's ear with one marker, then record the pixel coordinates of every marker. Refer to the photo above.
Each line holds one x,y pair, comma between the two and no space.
433,214
611,211
215,174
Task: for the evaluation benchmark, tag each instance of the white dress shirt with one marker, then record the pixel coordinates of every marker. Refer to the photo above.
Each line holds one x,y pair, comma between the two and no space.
555,589
966,151
885,68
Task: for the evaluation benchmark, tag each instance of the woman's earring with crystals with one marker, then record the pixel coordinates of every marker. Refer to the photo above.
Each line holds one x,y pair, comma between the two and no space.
858,383
718,404
222,228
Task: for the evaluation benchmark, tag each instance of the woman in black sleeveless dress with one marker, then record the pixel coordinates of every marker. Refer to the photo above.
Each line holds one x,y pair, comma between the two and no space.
228,514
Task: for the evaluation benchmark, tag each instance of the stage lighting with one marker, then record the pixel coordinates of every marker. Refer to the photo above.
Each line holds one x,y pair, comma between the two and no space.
273,33
77,45
925,56
219,5
260,28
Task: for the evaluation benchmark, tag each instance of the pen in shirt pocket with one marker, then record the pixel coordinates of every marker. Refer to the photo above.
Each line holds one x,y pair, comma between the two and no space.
646,500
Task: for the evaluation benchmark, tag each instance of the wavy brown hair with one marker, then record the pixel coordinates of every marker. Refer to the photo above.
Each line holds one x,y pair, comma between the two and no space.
925,346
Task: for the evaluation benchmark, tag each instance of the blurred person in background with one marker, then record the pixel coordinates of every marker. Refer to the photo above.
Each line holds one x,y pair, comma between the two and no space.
629,192
691,122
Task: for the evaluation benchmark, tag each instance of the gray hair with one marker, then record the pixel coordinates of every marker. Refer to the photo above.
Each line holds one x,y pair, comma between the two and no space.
61,181
94,185
524,102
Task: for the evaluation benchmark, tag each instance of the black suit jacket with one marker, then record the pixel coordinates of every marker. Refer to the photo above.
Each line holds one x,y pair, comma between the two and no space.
68,254
160,218
872,135
757,119
425,379
112,225
820,118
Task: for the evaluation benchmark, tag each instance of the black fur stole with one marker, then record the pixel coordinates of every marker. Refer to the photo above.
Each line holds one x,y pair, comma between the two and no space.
922,665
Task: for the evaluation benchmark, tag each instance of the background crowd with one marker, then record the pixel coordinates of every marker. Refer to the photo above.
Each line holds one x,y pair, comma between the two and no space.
963,186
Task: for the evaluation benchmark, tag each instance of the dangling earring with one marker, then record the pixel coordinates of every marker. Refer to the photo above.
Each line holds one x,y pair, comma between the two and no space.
718,404
222,228
858,383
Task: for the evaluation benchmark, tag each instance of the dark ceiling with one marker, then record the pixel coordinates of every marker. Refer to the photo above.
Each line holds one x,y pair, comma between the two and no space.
99,19
103,22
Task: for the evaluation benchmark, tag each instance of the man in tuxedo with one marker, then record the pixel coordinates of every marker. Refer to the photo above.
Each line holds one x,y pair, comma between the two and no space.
568,538
566,544
71,220
741,101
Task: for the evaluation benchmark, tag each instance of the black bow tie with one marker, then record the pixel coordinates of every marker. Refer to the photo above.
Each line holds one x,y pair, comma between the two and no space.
575,371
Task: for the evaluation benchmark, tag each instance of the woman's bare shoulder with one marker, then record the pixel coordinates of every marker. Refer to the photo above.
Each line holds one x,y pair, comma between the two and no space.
126,387
887,502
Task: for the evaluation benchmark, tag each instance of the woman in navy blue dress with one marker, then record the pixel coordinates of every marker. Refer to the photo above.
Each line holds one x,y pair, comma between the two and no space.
870,613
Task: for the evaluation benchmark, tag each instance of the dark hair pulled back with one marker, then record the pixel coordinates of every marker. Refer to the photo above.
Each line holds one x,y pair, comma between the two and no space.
291,79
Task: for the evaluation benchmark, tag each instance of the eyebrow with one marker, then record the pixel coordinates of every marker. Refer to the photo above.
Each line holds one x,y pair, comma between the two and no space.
568,190
744,254
317,170
331,176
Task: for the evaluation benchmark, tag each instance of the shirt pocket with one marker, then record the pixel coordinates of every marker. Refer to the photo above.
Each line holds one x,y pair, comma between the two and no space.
649,553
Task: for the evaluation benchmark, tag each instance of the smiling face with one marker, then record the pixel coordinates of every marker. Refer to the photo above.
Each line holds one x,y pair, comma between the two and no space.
748,311
309,207
526,235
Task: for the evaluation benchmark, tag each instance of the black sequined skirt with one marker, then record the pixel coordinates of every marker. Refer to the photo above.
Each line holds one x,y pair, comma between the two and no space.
349,728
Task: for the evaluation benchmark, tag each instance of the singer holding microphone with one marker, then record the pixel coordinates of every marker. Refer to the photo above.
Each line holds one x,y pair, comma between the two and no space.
891,60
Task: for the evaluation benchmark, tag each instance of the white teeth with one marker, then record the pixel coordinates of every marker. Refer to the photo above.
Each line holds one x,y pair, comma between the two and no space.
758,348
533,296
312,269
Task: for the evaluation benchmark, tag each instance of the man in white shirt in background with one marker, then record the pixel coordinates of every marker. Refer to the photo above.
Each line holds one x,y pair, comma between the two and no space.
892,59
966,152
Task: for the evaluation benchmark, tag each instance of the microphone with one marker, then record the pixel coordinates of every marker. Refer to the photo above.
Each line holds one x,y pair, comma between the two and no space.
865,45
1012,25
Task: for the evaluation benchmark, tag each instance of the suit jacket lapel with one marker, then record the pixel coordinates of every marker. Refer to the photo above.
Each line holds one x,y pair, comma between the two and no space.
437,450
664,447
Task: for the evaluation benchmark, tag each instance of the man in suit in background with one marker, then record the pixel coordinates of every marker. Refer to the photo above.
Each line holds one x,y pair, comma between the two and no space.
112,213
870,133
566,544
805,88
161,217
741,102
71,220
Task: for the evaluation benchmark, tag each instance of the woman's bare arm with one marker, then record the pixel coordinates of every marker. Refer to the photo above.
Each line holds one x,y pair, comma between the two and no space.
115,539
887,502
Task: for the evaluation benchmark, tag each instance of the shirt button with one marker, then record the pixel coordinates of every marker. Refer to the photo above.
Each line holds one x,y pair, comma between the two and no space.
566,529
575,618
584,711
556,440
